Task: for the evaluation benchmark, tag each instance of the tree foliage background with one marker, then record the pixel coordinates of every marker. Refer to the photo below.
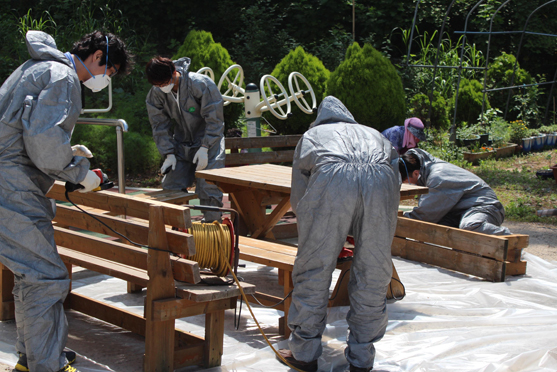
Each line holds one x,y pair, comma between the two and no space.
258,34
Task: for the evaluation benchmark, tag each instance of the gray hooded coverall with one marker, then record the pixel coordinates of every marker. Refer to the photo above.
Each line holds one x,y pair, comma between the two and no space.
456,198
199,121
39,105
344,178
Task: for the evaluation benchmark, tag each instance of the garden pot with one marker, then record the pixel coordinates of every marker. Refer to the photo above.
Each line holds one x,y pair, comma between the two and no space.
551,137
475,157
554,172
527,144
484,139
505,151
537,144
471,142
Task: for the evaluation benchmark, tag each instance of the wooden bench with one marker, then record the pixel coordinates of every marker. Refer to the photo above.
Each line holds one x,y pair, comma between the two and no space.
282,256
235,157
146,222
487,256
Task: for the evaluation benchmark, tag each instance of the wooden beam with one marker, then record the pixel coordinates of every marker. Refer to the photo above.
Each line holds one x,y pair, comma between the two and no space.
260,142
137,231
181,308
159,336
214,338
272,219
285,156
516,268
183,270
120,204
468,241
483,267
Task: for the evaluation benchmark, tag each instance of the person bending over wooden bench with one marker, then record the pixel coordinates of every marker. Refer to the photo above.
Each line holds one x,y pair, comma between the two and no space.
456,198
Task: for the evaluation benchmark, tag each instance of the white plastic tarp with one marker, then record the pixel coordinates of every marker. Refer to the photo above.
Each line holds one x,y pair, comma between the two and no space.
447,322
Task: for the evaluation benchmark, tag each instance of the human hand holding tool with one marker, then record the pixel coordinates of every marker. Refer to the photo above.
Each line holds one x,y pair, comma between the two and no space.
81,150
95,180
201,158
169,164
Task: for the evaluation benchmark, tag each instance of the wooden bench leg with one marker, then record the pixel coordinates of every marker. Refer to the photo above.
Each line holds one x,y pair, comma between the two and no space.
288,285
67,301
7,310
134,288
214,338
159,335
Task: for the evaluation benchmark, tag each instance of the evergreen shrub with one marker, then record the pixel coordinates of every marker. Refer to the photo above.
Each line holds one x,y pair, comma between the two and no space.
470,98
439,110
370,87
317,75
200,47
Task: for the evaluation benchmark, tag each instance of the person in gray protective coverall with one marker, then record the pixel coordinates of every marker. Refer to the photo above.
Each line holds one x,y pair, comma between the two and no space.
456,198
194,102
344,178
39,105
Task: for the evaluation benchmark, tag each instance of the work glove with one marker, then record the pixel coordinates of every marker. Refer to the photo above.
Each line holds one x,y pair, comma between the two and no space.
201,158
80,150
170,161
91,182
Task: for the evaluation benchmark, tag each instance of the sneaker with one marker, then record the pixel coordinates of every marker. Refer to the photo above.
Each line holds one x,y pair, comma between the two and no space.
22,361
68,368
302,366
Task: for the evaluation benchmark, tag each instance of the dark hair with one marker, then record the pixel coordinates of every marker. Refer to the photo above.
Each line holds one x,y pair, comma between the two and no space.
407,164
117,52
159,70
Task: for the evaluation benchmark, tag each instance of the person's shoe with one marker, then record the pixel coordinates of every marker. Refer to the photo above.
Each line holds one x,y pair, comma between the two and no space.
358,369
22,361
303,366
68,368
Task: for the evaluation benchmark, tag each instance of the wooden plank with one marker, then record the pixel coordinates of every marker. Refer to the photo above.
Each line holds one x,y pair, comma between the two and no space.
262,257
450,259
259,157
181,308
285,231
121,204
135,230
517,242
204,293
408,191
468,241
214,338
255,176
271,246
104,266
260,142
183,269
108,313
516,268
159,336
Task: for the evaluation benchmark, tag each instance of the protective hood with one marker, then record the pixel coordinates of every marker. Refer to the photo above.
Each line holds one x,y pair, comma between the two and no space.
331,110
182,65
41,46
426,159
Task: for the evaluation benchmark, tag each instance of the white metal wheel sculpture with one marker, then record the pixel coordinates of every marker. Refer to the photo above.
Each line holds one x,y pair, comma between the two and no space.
234,86
300,94
273,101
207,71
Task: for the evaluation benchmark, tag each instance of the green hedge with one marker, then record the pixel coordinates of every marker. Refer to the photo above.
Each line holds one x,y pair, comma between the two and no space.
370,87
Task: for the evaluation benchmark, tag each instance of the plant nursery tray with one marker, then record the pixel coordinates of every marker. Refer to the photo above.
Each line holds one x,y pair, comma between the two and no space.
475,157
505,151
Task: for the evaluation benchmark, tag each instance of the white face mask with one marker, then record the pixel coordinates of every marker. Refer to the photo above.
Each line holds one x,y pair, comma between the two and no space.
98,82
167,88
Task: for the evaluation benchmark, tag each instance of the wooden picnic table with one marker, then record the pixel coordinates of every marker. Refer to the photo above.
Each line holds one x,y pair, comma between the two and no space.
252,187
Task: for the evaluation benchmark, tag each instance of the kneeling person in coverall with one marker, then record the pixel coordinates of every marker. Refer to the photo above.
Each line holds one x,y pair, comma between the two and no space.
456,197
39,106
344,178
194,102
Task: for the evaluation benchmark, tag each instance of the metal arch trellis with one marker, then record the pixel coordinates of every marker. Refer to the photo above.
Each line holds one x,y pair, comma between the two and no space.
465,32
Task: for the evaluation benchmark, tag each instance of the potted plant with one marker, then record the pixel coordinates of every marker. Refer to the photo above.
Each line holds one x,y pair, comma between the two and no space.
550,133
519,134
477,153
467,135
